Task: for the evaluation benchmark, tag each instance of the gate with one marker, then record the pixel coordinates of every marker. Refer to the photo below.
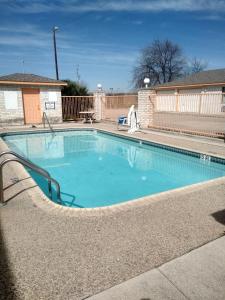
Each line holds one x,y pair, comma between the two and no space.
73,105
118,105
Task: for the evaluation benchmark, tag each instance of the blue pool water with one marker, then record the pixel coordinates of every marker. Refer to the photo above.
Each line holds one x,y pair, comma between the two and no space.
96,169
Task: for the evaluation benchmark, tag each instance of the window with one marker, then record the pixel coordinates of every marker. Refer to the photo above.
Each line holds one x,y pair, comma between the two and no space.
11,101
52,96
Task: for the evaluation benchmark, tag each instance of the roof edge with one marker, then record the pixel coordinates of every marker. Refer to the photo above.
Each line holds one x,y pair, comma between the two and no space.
60,83
169,87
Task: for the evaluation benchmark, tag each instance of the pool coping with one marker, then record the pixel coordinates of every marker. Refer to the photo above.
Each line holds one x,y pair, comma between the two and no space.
44,203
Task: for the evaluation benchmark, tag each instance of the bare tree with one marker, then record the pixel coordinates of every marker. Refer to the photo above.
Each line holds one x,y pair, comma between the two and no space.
197,65
161,62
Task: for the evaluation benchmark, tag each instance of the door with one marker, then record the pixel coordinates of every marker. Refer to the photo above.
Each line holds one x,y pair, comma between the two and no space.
31,105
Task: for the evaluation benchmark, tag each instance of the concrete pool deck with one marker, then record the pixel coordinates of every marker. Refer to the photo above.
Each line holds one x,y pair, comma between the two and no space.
55,256
196,275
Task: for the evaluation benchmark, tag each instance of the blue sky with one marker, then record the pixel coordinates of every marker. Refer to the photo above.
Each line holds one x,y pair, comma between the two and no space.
105,37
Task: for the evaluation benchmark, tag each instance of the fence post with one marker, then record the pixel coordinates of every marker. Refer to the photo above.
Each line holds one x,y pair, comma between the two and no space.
177,101
146,106
200,103
99,104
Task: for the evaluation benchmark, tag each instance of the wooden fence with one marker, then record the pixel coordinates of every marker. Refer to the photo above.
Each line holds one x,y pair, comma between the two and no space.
117,105
73,105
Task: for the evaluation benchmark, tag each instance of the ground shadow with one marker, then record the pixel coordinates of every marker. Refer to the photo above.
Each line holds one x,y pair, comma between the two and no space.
219,216
15,182
7,282
18,193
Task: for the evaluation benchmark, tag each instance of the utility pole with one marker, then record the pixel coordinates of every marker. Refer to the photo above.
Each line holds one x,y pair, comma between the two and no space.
78,73
23,66
55,28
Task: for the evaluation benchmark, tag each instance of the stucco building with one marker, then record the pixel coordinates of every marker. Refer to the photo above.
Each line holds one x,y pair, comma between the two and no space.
192,104
200,92
24,98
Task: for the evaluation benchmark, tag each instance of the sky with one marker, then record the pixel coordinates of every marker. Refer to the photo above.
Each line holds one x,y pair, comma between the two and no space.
102,39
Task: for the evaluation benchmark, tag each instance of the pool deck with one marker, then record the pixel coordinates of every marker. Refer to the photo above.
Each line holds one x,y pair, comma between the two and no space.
195,275
46,254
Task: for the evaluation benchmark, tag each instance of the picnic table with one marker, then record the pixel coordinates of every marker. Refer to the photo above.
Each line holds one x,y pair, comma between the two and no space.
88,116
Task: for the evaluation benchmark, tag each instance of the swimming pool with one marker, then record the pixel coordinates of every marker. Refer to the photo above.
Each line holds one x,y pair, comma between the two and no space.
97,169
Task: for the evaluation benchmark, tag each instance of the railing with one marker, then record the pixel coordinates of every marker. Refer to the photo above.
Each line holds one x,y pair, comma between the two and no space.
73,105
45,119
25,162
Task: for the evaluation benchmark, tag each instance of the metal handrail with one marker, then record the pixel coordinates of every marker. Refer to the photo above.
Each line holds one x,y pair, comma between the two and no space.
26,159
15,154
45,117
32,166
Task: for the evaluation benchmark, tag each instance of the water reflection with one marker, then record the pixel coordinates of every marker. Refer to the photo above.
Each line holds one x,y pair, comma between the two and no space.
36,146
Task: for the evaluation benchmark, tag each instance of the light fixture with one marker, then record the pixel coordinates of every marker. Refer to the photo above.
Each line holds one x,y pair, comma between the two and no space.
99,86
146,81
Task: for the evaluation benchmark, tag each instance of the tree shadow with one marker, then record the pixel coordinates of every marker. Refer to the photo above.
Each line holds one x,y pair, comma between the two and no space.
219,216
7,280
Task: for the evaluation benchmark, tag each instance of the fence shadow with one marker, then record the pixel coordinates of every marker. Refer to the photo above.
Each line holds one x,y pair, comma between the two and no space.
7,282
219,216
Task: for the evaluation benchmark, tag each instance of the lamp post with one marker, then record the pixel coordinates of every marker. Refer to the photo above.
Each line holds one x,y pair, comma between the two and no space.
55,28
99,87
146,81
111,91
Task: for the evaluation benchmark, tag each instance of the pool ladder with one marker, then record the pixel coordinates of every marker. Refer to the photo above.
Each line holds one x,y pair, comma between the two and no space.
45,119
27,163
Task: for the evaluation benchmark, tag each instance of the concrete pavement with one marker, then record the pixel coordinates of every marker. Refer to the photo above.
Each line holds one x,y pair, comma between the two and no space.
200,274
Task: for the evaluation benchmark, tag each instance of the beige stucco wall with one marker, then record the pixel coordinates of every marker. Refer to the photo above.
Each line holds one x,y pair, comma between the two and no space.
16,116
99,105
54,115
146,106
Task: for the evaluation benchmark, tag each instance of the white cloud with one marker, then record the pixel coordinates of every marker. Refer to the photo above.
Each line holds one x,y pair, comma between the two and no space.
137,22
34,44
211,18
75,6
21,41
27,35
99,57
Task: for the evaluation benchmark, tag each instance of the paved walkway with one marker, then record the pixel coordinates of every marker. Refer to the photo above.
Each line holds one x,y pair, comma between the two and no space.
200,274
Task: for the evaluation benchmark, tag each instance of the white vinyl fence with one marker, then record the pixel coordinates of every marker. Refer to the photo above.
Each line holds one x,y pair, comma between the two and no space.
204,103
192,113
